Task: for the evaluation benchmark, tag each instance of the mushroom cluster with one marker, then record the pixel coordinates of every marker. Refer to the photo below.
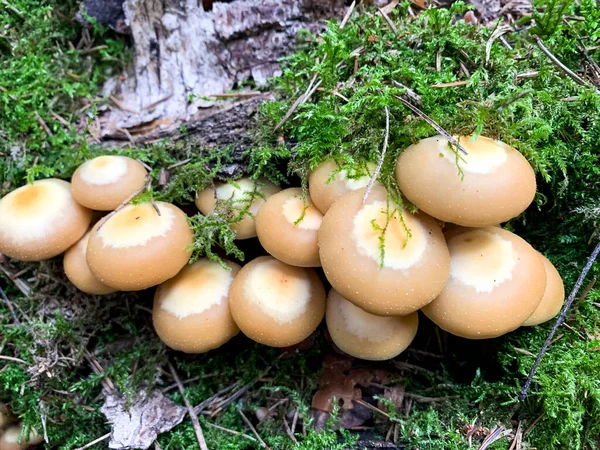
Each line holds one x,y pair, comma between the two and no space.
452,260
11,432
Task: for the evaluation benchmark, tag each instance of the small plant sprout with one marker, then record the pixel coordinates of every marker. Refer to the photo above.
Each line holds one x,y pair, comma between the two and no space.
105,182
553,299
367,336
41,220
497,281
191,310
244,197
137,248
276,304
492,183
385,261
287,226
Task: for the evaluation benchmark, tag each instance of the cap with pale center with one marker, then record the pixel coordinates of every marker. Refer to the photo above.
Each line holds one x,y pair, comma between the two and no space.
9,440
136,248
41,220
367,336
497,280
287,226
242,193
328,182
78,272
497,181
553,299
276,304
354,237
191,310
105,182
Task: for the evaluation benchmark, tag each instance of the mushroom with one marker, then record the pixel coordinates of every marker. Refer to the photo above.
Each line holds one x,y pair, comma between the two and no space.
10,439
276,304
246,197
191,311
328,182
41,220
492,184
367,336
287,226
136,248
354,238
105,182
497,280
553,299
78,272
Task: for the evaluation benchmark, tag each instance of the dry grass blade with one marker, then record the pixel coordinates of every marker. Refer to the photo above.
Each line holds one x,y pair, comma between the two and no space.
94,442
431,122
496,434
191,412
516,443
388,20
236,433
348,14
381,158
558,64
249,424
309,91
497,34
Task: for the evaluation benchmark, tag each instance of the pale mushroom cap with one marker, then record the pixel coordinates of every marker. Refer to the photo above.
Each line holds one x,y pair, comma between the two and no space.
191,311
367,336
415,269
280,235
9,440
41,220
136,248
240,192
553,299
497,280
276,304
325,187
498,183
105,182
78,272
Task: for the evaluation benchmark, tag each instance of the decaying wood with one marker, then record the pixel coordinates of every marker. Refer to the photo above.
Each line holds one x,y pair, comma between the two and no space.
184,54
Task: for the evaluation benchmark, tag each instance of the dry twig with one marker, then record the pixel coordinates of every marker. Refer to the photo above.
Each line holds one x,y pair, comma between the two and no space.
249,424
94,442
381,158
191,412
347,15
558,64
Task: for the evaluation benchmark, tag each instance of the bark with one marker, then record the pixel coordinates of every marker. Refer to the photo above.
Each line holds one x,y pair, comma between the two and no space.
184,54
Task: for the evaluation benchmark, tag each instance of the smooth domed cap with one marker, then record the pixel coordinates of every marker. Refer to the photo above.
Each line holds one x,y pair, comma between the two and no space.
498,183
240,192
135,248
105,182
276,304
78,272
287,226
553,299
41,220
367,336
327,183
497,280
9,440
191,311
415,268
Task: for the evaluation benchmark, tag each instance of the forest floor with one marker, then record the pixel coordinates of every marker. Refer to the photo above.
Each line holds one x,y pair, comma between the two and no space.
68,359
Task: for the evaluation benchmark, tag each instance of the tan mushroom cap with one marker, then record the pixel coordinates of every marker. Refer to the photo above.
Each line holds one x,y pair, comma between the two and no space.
327,183
553,299
136,248
105,182
240,192
78,272
415,268
41,220
280,235
497,280
191,311
276,304
367,336
10,439
498,183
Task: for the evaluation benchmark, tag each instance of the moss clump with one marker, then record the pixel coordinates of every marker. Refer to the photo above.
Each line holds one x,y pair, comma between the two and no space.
361,70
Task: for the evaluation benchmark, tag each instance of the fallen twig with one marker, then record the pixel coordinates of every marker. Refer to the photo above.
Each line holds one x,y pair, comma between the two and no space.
125,203
381,158
94,442
516,443
422,399
560,320
247,422
236,433
496,434
347,15
431,122
191,412
388,20
43,123
558,64
13,359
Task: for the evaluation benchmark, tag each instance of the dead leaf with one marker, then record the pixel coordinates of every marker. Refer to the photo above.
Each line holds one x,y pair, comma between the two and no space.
140,425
